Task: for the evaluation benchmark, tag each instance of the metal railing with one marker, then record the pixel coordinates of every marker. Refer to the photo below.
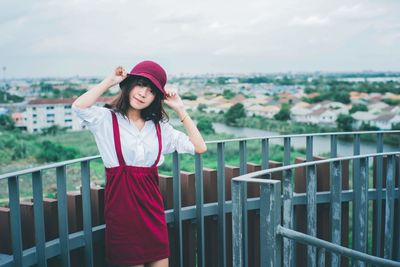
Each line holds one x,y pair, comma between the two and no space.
277,251
66,242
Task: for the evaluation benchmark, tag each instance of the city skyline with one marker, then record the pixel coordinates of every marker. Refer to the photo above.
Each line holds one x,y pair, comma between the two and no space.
89,38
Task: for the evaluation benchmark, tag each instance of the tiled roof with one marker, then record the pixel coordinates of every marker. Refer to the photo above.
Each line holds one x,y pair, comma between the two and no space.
55,101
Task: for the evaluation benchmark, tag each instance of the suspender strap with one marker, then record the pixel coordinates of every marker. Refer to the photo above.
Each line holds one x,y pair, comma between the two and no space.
117,139
158,130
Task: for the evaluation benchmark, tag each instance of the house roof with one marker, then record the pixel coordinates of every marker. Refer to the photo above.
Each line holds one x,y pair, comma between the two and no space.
318,111
363,116
57,101
385,117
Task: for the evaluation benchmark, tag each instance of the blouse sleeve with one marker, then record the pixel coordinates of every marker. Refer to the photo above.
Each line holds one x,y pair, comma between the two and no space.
174,140
91,117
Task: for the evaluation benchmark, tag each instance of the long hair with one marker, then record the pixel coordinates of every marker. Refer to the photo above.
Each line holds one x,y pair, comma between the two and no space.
154,111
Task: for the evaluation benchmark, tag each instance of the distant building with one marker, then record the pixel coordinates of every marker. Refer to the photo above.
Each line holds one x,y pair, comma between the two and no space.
362,117
19,120
386,121
43,113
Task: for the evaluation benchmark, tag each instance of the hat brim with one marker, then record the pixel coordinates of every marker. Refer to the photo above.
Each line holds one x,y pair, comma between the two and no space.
145,75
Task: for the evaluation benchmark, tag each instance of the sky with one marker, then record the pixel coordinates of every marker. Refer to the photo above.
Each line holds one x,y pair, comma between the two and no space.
53,38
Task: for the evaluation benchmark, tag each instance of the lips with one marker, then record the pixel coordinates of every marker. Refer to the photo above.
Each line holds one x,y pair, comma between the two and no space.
138,100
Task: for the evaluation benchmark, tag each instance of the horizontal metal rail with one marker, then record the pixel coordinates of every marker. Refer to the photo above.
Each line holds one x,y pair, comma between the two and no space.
310,240
250,176
302,135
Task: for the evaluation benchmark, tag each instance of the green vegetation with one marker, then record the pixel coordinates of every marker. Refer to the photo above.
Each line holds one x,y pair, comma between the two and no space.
52,152
228,94
344,122
368,127
205,126
67,93
189,96
8,98
201,107
284,113
234,113
358,107
6,123
391,102
338,96
396,126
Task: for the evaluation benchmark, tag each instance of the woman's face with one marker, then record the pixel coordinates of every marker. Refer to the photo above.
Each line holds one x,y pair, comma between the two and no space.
141,97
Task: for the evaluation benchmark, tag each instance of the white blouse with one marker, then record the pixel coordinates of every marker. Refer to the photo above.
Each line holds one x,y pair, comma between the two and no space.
139,147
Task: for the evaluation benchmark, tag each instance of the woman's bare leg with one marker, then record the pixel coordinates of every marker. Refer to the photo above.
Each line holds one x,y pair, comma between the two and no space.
160,263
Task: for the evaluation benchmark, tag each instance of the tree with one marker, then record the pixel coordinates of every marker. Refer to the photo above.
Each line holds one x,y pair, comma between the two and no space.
228,94
342,96
235,112
391,102
368,127
205,126
189,96
358,107
6,122
52,152
395,126
284,113
53,130
201,107
344,122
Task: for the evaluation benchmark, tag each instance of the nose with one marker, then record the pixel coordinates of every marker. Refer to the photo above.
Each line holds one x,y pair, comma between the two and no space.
143,92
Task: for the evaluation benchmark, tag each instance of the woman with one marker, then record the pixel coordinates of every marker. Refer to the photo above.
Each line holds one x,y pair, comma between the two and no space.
132,137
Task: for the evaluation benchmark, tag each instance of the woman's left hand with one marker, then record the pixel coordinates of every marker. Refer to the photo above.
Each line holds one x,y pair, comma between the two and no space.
174,100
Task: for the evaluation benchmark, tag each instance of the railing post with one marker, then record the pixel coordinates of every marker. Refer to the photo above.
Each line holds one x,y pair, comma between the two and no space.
336,207
243,170
311,181
288,245
221,205
321,257
265,153
360,208
37,186
389,207
15,219
378,202
199,209
397,162
270,220
86,209
356,178
177,207
237,221
62,216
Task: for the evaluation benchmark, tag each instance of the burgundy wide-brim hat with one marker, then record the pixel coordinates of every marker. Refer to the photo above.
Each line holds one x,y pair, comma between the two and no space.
150,70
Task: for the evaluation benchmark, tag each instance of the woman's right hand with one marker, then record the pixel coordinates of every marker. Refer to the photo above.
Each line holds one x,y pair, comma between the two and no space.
117,76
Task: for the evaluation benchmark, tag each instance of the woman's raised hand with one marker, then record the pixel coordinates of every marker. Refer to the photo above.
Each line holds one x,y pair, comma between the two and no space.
174,100
118,75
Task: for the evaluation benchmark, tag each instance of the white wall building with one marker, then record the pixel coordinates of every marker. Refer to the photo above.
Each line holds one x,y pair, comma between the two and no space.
43,113
385,121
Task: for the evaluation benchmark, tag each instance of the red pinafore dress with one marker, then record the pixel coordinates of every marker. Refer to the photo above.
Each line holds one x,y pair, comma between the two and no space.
136,230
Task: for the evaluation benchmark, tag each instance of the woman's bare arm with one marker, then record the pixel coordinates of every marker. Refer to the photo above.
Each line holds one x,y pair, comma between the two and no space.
175,102
90,97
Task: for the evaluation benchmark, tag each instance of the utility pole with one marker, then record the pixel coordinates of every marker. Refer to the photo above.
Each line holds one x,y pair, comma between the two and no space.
4,68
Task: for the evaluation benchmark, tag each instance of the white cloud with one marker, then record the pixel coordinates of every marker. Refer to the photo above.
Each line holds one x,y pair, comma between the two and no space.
309,21
359,11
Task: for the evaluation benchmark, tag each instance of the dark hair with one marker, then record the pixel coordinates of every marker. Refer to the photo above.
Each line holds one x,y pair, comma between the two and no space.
154,111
